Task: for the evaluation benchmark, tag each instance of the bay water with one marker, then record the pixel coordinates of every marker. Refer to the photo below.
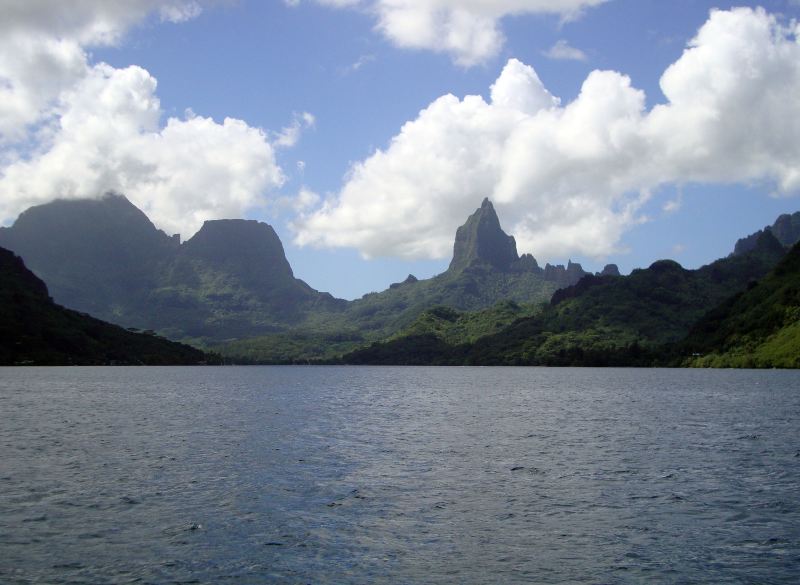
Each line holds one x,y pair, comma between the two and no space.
399,475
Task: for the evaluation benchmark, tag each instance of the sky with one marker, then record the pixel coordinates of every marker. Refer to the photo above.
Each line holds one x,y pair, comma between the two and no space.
366,131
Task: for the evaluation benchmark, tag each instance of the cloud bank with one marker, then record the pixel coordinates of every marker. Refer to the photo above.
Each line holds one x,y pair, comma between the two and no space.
570,178
468,30
72,129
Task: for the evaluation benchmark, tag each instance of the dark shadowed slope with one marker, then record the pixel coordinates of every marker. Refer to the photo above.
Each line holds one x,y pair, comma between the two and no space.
600,317
34,330
106,258
759,327
786,230
99,256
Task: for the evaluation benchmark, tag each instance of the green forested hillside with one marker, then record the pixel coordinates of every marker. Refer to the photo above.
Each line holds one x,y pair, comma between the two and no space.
603,320
485,269
441,335
230,285
759,327
474,288
459,327
231,289
34,330
450,325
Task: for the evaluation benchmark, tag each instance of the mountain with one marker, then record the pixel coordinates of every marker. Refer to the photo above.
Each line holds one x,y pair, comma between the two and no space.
759,327
106,258
97,256
231,287
609,270
482,240
485,269
231,280
35,330
603,316
786,230
601,320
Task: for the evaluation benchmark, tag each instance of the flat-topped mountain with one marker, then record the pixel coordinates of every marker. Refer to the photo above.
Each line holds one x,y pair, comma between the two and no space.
237,271
232,278
240,246
98,256
106,258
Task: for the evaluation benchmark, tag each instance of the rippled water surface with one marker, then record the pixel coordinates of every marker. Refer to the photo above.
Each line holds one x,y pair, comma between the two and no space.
398,475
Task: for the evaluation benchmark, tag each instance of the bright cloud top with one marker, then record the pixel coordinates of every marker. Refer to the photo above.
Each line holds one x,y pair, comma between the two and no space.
469,30
569,179
42,48
87,129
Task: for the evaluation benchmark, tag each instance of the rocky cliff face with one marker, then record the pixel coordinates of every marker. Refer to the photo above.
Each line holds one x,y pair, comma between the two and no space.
90,252
564,276
243,246
609,270
786,230
482,240
106,258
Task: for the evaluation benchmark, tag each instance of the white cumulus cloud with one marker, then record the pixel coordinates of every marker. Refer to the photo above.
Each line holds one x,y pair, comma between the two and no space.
469,30
72,129
570,178
42,48
89,22
108,137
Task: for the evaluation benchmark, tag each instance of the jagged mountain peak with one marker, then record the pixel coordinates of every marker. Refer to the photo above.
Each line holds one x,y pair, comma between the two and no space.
786,230
482,240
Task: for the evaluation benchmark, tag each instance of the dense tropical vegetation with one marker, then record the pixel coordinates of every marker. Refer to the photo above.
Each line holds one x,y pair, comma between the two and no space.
36,331
231,290
759,327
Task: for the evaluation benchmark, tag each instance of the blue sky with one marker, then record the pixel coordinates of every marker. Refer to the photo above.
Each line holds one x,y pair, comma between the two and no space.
349,87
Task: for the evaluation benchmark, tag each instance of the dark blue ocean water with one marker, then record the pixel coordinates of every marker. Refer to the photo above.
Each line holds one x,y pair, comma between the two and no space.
399,475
